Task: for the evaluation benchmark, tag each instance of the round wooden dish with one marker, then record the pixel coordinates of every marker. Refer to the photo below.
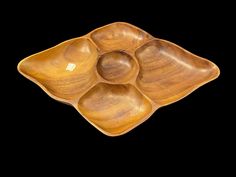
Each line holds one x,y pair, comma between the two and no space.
118,75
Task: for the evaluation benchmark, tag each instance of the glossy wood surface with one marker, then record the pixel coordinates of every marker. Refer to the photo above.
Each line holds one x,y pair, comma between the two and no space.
118,75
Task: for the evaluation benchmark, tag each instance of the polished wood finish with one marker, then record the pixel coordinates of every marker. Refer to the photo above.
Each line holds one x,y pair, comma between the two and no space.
114,108
117,67
118,75
168,73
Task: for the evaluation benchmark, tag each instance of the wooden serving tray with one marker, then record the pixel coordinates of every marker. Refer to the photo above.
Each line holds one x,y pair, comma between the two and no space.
118,75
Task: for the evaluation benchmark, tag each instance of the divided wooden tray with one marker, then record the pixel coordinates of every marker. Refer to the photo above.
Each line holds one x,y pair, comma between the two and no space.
118,75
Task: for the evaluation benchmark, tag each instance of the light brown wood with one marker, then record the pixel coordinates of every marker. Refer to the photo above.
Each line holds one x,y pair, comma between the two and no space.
168,73
117,76
114,108
117,67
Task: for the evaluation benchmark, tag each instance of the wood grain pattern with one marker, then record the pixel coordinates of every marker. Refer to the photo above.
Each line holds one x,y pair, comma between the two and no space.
168,73
117,67
114,108
67,70
119,36
118,75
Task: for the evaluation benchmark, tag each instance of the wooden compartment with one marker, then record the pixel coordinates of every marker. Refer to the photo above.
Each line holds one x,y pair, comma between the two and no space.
118,75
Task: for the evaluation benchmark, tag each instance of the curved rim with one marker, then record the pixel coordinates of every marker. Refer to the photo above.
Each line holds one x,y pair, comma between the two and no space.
75,102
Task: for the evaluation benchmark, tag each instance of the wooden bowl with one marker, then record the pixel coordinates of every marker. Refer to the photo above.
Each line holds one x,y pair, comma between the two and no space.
118,75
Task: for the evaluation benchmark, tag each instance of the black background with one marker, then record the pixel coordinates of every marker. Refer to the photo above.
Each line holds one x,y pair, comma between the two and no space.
193,129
